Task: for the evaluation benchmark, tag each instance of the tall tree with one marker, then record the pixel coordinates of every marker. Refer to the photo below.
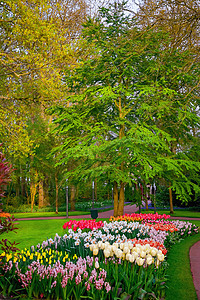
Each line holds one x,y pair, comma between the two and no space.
121,94
38,39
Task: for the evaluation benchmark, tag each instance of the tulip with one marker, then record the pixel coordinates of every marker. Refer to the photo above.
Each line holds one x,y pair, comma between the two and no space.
130,245
149,260
119,253
153,251
139,261
143,254
106,253
122,246
131,258
126,250
128,255
160,257
95,251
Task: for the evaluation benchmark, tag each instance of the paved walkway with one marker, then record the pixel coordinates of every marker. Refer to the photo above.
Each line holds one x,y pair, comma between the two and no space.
195,266
128,209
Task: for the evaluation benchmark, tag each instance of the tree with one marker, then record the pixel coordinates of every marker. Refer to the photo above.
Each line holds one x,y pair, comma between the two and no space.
120,96
38,38
181,20
36,43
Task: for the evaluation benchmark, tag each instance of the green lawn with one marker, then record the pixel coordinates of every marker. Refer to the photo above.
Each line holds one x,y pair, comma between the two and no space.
32,232
48,214
180,282
177,213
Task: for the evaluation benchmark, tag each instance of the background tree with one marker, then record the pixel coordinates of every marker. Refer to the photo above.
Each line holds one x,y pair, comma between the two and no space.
38,40
121,95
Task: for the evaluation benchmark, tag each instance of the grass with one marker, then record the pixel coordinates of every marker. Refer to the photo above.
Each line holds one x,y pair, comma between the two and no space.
180,281
48,214
32,232
177,213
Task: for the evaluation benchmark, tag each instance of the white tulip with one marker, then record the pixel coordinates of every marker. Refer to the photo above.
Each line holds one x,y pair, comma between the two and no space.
126,250
106,253
139,261
143,254
119,253
96,264
130,245
128,255
131,258
160,257
122,246
153,251
149,260
134,254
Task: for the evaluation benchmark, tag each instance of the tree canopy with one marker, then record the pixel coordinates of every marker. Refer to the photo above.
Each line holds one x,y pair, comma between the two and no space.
129,104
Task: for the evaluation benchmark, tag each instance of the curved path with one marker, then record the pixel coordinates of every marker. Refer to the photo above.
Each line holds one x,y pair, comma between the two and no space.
195,266
194,250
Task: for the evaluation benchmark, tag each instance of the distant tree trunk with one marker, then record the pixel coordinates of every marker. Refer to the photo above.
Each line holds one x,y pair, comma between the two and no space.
115,196
95,189
46,191
17,187
33,189
72,197
57,188
41,194
146,201
23,183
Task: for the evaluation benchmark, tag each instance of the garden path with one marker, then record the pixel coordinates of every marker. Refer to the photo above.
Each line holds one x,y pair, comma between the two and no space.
128,209
195,266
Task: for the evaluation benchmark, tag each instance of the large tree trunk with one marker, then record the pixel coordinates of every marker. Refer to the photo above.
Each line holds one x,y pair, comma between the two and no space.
41,194
121,200
72,197
171,201
115,196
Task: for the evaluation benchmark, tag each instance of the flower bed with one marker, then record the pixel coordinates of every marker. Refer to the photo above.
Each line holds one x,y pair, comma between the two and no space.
97,260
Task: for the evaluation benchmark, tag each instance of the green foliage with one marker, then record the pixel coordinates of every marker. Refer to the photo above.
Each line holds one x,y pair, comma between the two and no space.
128,106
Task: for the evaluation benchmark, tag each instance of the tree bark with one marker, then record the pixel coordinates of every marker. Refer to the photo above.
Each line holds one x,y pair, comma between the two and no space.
33,189
115,196
57,188
95,189
171,201
72,197
121,200
41,194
